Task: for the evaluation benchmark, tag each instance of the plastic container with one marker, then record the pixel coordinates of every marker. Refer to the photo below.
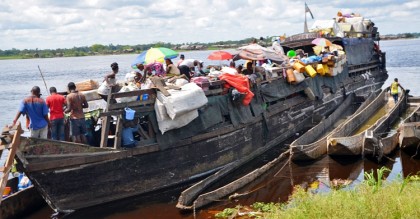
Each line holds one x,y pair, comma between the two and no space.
320,69
7,190
290,76
145,97
129,113
299,76
326,69
299,67
310,70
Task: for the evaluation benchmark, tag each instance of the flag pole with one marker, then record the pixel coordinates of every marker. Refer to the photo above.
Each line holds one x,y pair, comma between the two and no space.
305,27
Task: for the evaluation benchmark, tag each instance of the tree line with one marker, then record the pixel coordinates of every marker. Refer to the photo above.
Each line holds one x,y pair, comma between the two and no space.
99,49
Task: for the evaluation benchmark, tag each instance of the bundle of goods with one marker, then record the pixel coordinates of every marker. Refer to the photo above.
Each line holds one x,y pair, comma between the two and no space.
87,85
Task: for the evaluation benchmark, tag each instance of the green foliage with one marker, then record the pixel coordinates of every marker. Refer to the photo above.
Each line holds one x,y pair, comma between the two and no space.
388,201
265,207
227,212
375,182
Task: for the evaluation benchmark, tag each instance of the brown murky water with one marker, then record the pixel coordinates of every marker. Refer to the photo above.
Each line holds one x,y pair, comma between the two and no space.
274,186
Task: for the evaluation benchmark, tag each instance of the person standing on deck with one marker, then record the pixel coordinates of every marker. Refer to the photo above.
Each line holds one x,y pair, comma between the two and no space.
56,103
75,104
108,86
36,109
394,89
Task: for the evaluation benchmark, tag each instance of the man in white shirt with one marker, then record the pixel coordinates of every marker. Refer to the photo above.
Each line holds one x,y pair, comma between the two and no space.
187,66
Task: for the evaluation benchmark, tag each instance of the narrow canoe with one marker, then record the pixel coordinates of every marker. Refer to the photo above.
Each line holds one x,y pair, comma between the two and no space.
409,137
313,143
348,140
376,142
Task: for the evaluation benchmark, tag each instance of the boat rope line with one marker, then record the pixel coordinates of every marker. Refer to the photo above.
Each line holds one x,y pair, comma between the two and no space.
417,150
236,195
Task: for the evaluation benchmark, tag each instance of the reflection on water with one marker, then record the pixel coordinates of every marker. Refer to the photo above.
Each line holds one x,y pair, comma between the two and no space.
274,186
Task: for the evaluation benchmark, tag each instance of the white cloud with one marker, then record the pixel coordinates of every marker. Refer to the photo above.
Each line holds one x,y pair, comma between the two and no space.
64,24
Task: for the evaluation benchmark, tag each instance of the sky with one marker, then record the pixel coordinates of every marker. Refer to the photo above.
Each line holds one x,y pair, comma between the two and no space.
52,24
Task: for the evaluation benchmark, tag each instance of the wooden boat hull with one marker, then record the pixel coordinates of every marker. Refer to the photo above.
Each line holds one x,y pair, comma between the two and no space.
342,142
409,137
86,180
311,145
21,202
72,176
374,143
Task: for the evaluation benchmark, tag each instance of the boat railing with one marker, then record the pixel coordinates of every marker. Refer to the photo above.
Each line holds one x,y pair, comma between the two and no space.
7,166
144,102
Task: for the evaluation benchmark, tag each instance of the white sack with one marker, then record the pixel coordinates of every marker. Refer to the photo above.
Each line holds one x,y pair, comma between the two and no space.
190,97
127,88
91,95
165,123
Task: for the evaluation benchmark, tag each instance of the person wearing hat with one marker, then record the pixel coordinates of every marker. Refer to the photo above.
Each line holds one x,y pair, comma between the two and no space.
36,109
75,104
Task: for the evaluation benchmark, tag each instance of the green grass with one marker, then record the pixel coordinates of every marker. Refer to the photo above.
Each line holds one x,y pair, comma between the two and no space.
372,199
11,57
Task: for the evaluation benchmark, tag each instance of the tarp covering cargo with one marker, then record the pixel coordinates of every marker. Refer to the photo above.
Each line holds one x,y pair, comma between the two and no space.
165,123
359,50
190,97
328,26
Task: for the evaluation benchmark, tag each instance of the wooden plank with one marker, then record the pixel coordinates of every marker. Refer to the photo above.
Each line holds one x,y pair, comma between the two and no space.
143,133
151,92
118,133
111,113
105,132
74,161
131,104
10,158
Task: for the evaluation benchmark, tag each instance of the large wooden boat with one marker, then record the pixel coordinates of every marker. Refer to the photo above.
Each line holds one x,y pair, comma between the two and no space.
313,143
377,141
349,139
73,176
409,131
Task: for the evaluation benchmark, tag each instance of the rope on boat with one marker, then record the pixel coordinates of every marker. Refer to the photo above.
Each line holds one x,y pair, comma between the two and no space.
236,195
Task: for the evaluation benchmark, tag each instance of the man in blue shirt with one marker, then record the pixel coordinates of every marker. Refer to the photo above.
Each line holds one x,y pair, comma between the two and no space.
36,109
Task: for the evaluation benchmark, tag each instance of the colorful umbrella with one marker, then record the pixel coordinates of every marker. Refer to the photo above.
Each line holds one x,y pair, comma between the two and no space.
220,55
155,55
321,42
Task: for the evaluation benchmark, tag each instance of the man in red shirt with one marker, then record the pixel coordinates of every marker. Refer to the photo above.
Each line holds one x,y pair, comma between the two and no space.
56,102
75,104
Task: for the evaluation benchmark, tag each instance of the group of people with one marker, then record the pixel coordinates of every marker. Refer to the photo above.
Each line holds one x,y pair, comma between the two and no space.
37,109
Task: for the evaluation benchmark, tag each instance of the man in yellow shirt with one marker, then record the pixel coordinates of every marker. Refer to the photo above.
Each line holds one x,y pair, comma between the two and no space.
394,89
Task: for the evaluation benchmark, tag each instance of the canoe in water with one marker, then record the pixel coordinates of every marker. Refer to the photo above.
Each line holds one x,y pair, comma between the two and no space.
348,141
313,143
409,137
376,142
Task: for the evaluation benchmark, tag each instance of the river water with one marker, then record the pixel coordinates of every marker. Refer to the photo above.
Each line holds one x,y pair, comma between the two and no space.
18,77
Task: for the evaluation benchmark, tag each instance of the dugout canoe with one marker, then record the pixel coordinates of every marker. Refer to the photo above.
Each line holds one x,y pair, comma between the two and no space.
376,141
313,143
409,136
348,141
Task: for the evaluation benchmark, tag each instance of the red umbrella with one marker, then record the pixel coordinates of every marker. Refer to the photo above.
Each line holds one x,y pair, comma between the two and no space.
220,55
